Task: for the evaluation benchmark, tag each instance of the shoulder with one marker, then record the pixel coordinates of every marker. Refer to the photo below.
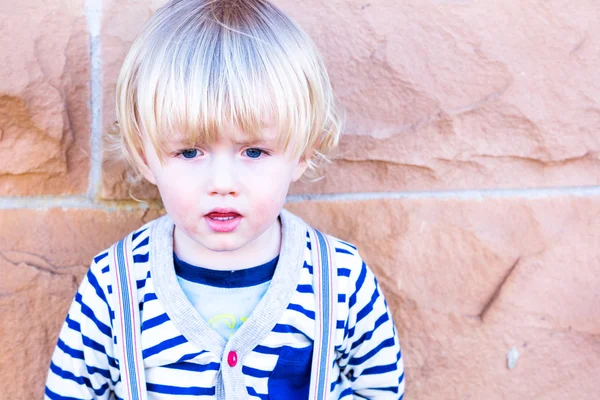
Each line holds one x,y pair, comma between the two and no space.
348,261
135,247
346,256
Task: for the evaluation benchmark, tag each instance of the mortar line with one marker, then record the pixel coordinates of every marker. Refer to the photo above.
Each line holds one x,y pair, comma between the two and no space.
93,11
72,202
77,202
462,194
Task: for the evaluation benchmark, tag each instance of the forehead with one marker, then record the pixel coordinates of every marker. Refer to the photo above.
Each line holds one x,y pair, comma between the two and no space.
268,133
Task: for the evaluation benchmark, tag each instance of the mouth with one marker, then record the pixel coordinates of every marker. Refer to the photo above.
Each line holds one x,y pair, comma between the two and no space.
221,220
222,217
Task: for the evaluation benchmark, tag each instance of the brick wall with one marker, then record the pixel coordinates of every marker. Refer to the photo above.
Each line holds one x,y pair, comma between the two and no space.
472,143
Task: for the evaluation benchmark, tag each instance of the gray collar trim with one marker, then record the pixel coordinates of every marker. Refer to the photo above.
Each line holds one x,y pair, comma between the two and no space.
266,314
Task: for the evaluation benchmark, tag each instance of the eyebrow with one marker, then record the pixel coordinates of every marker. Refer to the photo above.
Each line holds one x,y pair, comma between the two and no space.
253,142
179,141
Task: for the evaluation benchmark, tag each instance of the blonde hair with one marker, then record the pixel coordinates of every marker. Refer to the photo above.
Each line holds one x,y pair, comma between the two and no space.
199,64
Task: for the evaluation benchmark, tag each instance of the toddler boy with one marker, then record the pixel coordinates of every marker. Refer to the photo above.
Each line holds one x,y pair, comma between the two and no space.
222,104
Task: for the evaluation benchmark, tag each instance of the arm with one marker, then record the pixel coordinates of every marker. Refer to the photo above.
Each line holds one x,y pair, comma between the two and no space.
82,365
372,360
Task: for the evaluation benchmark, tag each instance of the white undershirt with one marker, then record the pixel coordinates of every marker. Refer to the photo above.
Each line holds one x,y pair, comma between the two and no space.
224,299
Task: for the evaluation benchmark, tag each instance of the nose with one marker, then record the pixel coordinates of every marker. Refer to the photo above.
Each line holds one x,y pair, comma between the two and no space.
222,179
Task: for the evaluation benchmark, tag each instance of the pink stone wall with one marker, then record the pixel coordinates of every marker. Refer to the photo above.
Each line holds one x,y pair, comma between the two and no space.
469,177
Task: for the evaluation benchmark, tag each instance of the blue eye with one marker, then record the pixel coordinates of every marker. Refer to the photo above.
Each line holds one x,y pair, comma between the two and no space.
254,153
189,153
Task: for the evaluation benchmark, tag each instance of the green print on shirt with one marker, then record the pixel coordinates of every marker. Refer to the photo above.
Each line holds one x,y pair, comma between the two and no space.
229,320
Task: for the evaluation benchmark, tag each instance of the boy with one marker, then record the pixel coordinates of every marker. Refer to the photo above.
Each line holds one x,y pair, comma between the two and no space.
222,104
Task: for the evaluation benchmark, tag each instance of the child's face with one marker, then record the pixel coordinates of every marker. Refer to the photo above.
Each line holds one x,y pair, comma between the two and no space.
223,197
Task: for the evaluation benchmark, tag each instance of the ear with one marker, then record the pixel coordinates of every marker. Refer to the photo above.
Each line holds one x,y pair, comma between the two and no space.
144,168
147,173
144,158
300,169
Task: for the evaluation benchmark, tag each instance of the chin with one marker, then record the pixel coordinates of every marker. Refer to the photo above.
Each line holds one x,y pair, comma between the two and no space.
223,246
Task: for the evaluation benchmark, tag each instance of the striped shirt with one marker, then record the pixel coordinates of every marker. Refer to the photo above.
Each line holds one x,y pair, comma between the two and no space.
185,358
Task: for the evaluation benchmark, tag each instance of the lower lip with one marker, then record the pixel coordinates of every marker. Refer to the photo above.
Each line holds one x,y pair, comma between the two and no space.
223,226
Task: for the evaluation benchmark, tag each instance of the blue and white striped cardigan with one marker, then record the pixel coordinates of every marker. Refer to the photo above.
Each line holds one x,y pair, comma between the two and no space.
184,358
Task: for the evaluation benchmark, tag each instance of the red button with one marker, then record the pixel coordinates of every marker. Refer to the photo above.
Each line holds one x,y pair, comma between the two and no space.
232,358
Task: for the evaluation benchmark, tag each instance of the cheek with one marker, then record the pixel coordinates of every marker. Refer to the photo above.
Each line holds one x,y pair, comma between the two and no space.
182,211
177,200
274,181
268,199
267,208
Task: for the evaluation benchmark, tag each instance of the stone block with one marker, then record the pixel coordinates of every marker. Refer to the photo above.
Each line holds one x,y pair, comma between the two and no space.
468,279
44,94
447,95
43,256
451,358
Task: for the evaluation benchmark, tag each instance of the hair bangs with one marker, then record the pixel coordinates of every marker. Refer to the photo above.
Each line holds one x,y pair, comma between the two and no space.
201,66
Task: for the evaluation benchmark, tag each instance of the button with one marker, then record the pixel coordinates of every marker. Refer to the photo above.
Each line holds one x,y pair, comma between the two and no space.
232,358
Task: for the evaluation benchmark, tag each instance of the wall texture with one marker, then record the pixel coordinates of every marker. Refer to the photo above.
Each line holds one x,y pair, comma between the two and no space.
472,144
